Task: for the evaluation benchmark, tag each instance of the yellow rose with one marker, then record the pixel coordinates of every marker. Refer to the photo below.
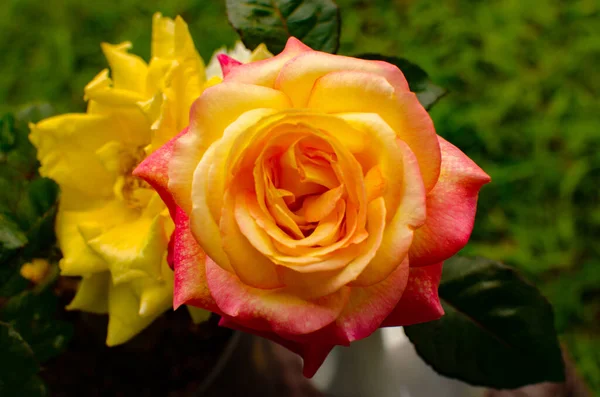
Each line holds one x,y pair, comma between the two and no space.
112,227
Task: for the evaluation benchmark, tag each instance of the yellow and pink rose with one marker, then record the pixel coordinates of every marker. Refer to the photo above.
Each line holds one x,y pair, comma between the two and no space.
313,201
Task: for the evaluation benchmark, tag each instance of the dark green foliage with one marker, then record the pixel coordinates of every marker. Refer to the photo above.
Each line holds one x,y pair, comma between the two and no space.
30,334
315,22
498,330
18,367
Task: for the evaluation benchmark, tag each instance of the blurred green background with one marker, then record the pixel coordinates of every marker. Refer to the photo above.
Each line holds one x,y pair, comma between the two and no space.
524,103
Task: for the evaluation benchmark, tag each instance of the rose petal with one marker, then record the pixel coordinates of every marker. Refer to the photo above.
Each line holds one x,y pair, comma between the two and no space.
322,283
190,287
368,307
128,71
451,207
217,108
358,91
227,63
265,72
420,302
399,230
298,76
154,170
271,310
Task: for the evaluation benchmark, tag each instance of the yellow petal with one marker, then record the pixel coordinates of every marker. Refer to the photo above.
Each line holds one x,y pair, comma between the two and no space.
101,89
352,91
78,257
261,52
128,71
133,249
322,283
208,121
66,149
399,231
124,321
163,32
92,294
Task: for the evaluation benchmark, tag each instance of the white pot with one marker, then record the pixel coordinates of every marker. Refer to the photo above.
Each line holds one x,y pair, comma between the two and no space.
385,365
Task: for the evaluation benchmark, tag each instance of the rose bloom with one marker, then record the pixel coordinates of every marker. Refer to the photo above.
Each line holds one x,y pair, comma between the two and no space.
113,229
313,200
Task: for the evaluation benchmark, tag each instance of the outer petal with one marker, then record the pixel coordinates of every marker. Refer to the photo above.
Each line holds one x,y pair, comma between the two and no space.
154,170
124,321
451,207
272,310
227,63
92,294
266,71
189,263
367,92
298,76
420,302
368,307
66,149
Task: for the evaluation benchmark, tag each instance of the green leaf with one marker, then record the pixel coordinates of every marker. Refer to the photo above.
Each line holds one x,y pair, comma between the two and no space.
32,313
418,79
498,330
11,235
315,22
18,362
18,367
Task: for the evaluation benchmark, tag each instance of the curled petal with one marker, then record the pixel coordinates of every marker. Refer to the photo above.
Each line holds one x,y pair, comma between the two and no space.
451,207
129,71
326,282
227,63
420,302
272,310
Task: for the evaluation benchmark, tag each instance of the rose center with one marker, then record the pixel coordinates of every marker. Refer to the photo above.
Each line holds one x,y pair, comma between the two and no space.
302,178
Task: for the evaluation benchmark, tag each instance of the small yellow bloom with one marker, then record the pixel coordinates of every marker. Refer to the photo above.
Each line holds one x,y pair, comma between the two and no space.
112,227
36,270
